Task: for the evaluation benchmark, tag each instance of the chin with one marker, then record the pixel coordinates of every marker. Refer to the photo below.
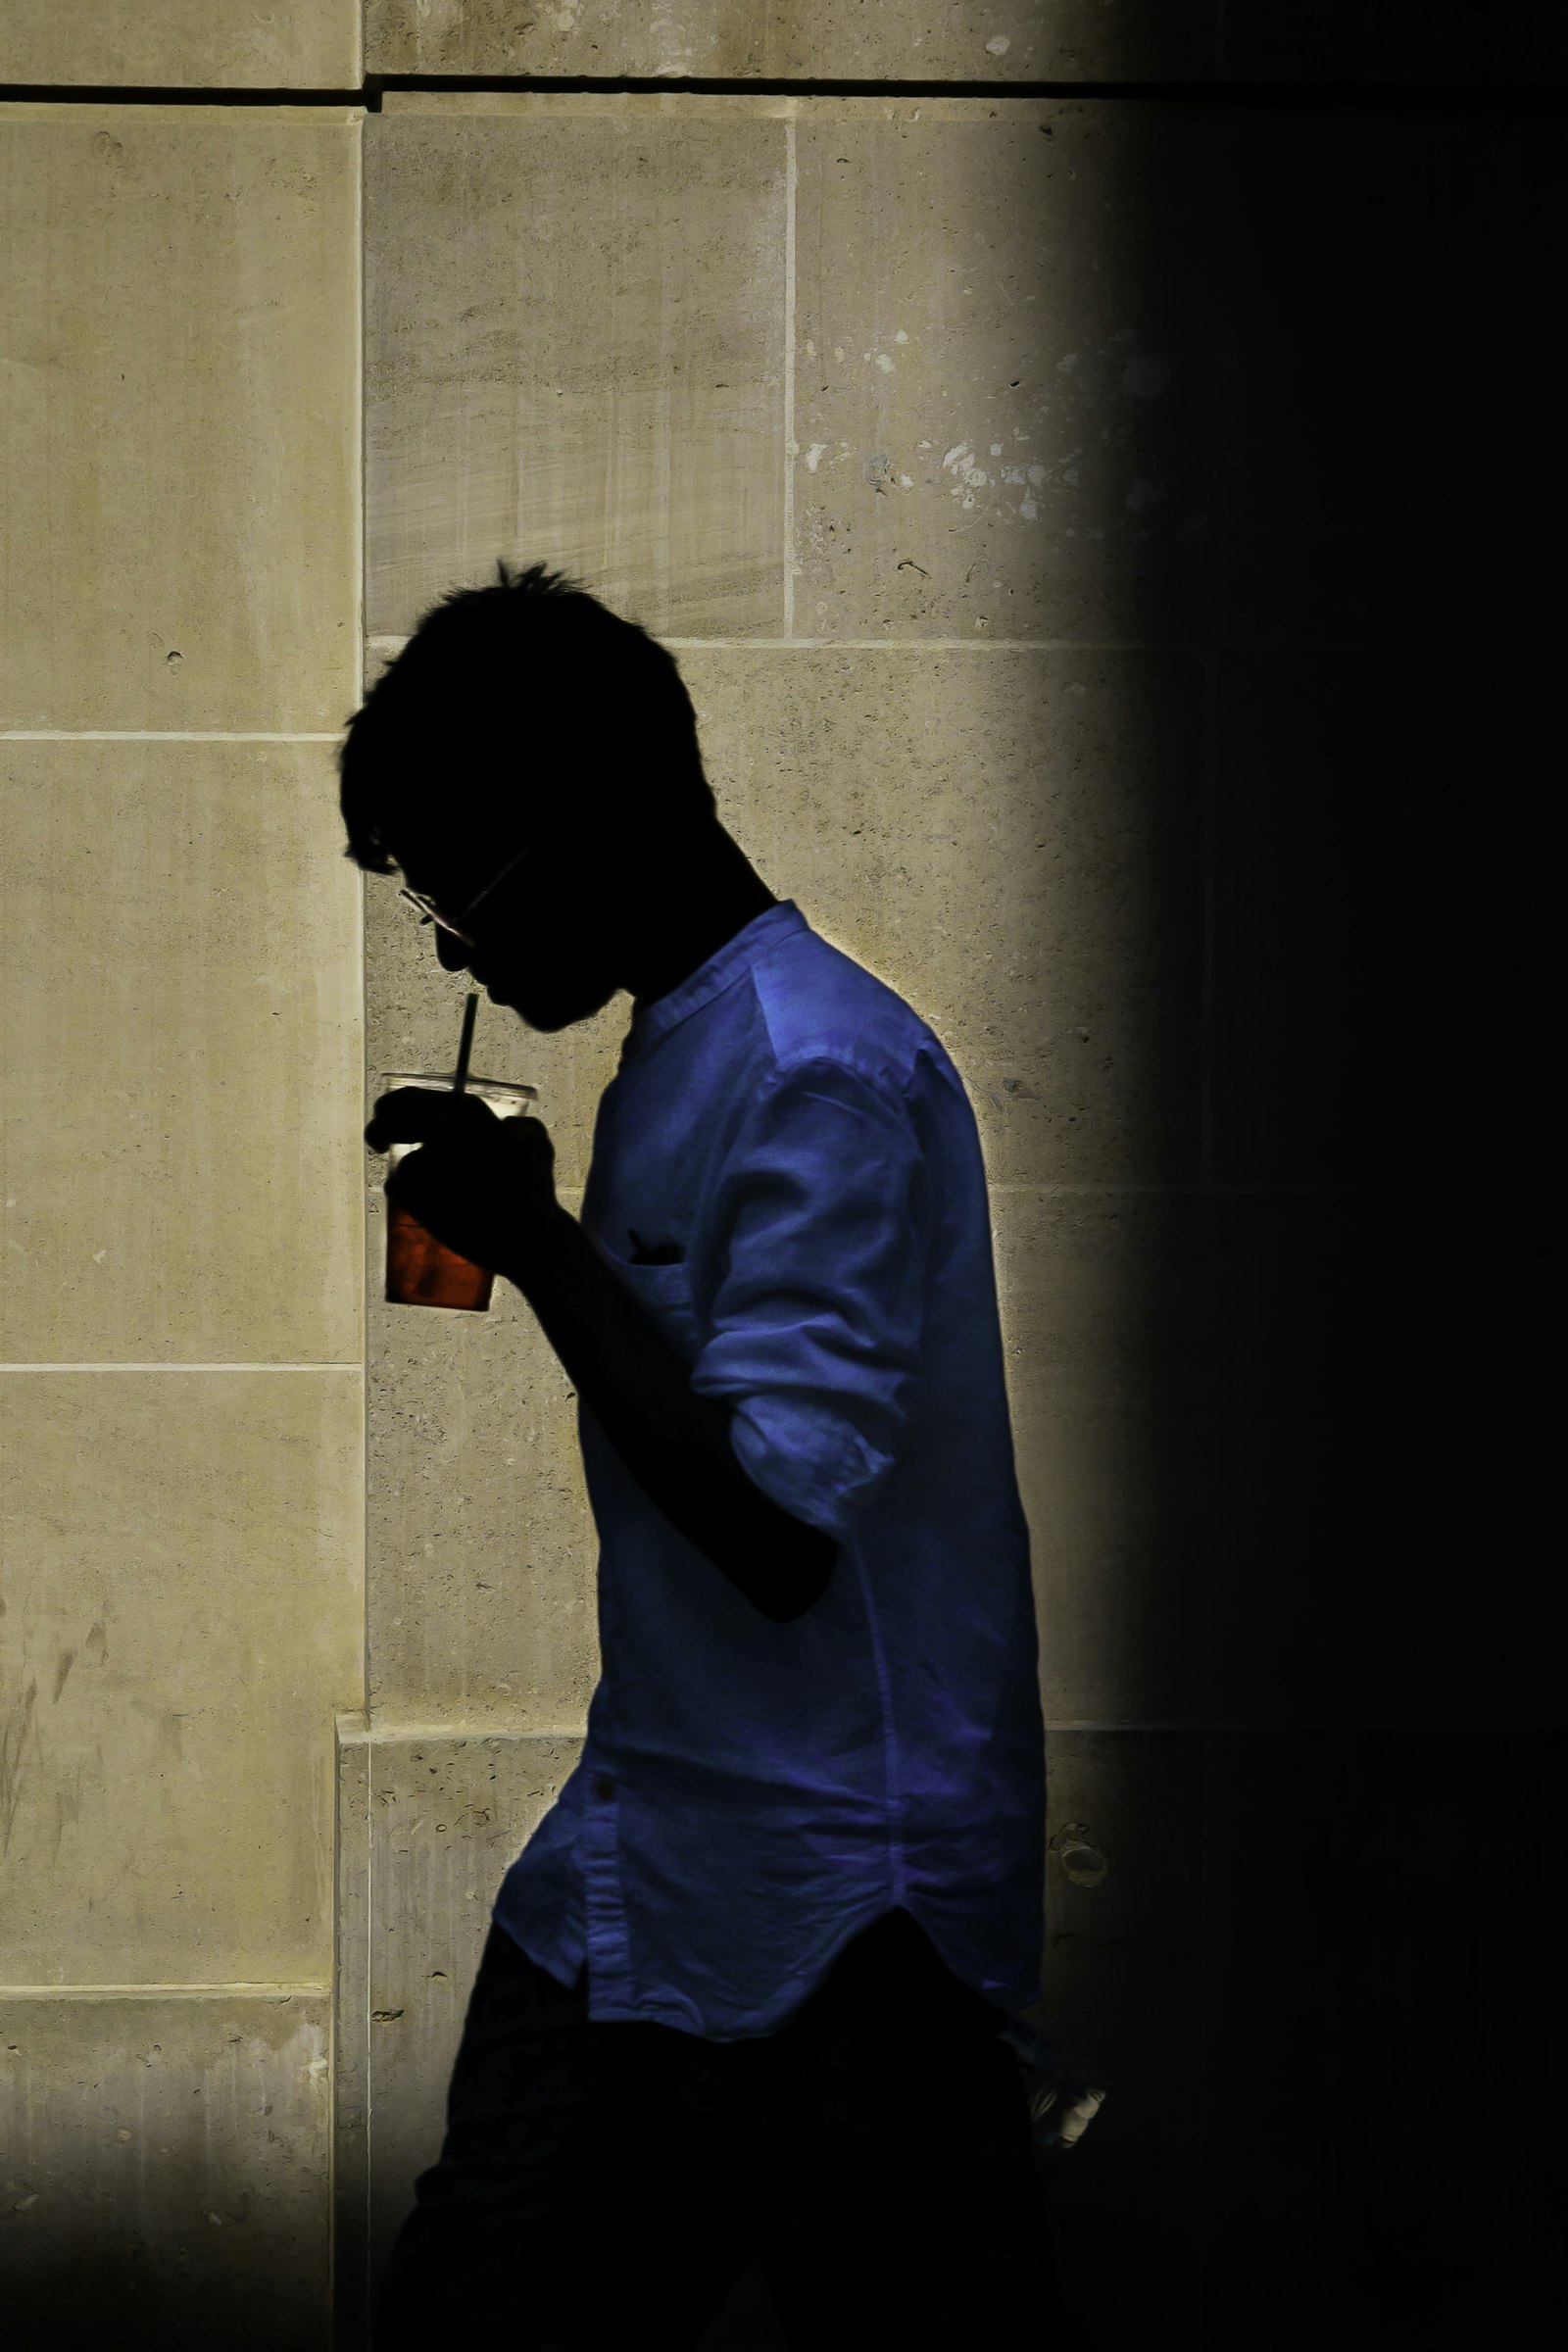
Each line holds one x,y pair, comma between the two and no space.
549,1017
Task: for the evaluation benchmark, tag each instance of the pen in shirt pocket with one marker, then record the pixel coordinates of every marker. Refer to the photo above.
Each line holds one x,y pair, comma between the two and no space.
655,1253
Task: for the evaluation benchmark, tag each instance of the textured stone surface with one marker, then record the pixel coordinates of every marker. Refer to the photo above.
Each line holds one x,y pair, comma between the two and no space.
1069,1274
574,351
351,2036
482,1553
1216,355
183,1612
966,441
179,429
819,40
181,1034
182,44
1009,838
166,2169
448,1813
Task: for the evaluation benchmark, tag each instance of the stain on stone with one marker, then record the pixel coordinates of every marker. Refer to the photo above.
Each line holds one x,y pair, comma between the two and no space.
12,1739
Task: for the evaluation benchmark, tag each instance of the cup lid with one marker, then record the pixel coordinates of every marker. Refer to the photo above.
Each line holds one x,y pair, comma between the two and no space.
444,1079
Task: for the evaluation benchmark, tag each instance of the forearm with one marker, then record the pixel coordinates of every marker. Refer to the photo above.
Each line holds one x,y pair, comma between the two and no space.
674,1443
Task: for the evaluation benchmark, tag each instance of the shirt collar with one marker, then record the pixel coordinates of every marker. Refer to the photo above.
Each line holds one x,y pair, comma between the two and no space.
727,964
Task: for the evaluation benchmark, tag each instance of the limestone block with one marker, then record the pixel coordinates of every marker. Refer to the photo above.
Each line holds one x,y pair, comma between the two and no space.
1069,1274
575,353
183,1614
181,1043
482,1554
1162,374
1010,839
182,44
967,40
180,427
450,1811
350,2036
977,400
166,2166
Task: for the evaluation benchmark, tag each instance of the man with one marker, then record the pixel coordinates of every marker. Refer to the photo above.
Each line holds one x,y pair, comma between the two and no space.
744,1987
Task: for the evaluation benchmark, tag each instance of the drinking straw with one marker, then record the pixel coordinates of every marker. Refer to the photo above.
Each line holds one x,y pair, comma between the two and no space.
460,1081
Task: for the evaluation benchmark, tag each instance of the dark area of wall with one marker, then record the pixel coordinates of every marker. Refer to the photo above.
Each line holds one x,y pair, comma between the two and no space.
1326,2009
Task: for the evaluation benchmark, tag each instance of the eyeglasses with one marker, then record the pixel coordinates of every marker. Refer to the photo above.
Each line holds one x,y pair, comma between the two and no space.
429,913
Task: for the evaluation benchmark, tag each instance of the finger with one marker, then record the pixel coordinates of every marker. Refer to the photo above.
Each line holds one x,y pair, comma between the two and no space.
413,1115
398,1181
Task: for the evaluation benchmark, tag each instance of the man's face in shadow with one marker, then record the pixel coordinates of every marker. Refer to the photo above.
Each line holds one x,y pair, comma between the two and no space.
548,940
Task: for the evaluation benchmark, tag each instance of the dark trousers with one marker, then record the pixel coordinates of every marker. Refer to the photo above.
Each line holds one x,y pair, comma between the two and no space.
601,2187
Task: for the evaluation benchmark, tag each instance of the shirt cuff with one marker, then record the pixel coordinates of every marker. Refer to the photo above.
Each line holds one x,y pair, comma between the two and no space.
823,1476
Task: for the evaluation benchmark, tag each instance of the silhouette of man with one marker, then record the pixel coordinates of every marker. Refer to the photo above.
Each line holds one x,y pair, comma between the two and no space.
743,1987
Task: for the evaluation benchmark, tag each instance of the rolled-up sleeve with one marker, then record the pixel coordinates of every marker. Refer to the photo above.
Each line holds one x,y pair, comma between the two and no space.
822,1208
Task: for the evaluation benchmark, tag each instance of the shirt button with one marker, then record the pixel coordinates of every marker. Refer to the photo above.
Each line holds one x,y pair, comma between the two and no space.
604,1786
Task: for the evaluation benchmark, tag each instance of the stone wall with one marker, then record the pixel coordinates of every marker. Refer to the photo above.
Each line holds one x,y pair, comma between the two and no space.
181,1318
1100,485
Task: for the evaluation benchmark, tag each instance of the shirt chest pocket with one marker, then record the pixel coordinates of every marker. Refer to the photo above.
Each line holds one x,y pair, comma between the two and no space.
664,1295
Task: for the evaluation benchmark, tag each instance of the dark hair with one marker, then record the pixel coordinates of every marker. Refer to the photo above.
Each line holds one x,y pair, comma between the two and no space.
531,669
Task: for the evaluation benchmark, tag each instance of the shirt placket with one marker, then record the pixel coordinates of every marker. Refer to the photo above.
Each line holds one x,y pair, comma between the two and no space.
609,1979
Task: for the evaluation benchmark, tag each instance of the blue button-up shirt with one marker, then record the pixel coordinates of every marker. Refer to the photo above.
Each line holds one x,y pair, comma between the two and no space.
787,1176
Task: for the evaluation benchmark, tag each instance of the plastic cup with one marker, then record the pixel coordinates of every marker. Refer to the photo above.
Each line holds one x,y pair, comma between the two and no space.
421,1271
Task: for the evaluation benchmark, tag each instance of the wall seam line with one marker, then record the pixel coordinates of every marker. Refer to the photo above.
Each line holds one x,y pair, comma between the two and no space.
240,1989
789,375
155,735
1206,1016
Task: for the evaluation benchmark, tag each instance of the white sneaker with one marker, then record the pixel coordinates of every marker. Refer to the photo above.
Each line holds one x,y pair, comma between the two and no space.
1064,2100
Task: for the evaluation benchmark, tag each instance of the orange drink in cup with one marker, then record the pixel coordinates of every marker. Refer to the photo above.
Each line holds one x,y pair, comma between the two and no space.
421,1271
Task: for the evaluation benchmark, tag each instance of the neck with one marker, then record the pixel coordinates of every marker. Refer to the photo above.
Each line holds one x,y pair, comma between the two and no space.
694,910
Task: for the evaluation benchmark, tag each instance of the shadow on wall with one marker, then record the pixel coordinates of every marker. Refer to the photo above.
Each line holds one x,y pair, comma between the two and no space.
189,2298
1315,1974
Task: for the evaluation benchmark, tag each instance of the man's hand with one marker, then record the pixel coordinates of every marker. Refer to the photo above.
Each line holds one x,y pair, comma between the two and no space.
482,1184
